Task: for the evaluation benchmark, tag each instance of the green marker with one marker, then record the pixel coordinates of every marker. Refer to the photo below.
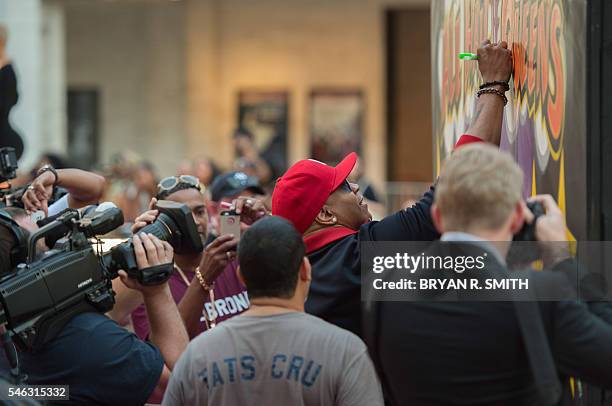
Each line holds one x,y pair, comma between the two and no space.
466,56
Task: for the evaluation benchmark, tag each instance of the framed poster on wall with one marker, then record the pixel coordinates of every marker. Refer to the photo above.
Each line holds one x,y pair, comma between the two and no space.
265,115
336,123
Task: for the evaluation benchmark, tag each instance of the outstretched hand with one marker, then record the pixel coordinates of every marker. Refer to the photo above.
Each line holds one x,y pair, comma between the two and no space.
37,195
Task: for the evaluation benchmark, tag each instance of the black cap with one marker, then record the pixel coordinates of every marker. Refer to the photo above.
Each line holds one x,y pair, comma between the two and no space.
233,183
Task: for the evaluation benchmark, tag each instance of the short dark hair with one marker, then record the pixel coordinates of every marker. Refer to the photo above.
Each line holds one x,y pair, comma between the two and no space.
270,253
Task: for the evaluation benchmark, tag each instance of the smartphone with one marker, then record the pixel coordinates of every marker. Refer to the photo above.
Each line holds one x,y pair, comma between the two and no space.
229,223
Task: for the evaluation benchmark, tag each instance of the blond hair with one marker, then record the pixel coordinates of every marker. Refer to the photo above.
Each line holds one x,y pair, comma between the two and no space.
478,188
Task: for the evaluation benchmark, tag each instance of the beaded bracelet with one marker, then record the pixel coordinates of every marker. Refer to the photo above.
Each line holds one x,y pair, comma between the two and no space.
505,85
491,90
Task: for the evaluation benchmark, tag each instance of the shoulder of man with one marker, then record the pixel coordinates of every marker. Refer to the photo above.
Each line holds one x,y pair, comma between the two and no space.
87,322
333,335
123,365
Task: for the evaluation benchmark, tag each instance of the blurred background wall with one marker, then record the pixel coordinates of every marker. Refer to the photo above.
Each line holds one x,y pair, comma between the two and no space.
162,77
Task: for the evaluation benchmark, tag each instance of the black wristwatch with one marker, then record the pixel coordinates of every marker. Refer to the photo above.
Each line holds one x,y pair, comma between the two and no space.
48,168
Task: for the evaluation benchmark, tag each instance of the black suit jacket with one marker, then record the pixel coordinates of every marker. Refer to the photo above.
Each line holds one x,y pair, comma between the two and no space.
473,352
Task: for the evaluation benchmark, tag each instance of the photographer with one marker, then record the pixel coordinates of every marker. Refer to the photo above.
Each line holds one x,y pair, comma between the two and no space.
100,361
197,276
334,220
504,350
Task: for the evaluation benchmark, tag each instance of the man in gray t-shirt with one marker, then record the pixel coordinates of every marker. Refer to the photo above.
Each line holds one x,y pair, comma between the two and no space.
274,353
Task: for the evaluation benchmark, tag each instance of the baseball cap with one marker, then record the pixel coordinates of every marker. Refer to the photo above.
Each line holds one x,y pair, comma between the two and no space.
302,191
233,183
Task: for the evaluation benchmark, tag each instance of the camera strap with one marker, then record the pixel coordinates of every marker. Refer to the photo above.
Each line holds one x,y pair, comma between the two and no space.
538,350
156,275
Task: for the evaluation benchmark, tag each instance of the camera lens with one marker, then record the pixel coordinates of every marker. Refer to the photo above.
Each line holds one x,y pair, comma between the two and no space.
163,228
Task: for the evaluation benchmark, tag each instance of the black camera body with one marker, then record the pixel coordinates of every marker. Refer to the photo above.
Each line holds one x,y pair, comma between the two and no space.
38,299
175,225
42,294
527,232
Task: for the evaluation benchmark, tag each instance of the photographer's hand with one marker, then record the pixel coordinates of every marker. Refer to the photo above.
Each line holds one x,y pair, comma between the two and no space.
84,188
250,209
39,192
145,218
550,231
216,257
149,251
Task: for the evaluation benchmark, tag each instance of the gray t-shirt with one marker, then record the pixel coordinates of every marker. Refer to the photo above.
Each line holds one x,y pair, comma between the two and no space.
283,359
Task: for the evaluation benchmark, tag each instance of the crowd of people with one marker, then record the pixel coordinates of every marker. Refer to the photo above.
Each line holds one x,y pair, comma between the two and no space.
275,314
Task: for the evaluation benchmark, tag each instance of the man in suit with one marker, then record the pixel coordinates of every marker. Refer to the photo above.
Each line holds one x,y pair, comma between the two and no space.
502,351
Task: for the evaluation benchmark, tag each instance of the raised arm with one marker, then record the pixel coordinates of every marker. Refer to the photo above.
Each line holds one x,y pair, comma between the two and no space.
167,331
214,261
414,223
495,65
83,188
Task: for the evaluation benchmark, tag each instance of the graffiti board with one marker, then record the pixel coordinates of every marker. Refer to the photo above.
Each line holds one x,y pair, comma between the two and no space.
544,124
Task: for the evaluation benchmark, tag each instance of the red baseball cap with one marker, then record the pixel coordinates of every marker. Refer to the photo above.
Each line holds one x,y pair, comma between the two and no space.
302,191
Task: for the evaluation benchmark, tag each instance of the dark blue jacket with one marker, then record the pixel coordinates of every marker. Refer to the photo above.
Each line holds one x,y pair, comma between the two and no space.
335,290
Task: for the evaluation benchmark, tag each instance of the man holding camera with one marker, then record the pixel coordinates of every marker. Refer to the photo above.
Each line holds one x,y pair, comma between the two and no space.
334,220
102,362
204,285
448,347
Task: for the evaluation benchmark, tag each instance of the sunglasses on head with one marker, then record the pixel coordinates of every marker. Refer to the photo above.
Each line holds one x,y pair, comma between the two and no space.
346,186
169,185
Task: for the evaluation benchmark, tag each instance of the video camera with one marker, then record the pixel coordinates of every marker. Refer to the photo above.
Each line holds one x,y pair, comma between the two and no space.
43,293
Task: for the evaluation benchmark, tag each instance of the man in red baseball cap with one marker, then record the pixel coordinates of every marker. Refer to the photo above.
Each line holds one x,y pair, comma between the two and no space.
332,217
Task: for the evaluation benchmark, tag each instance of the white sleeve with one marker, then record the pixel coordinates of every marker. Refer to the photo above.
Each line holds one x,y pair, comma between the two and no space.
59,205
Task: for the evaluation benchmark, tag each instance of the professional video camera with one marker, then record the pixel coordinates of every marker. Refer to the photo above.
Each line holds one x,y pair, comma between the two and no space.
45,292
